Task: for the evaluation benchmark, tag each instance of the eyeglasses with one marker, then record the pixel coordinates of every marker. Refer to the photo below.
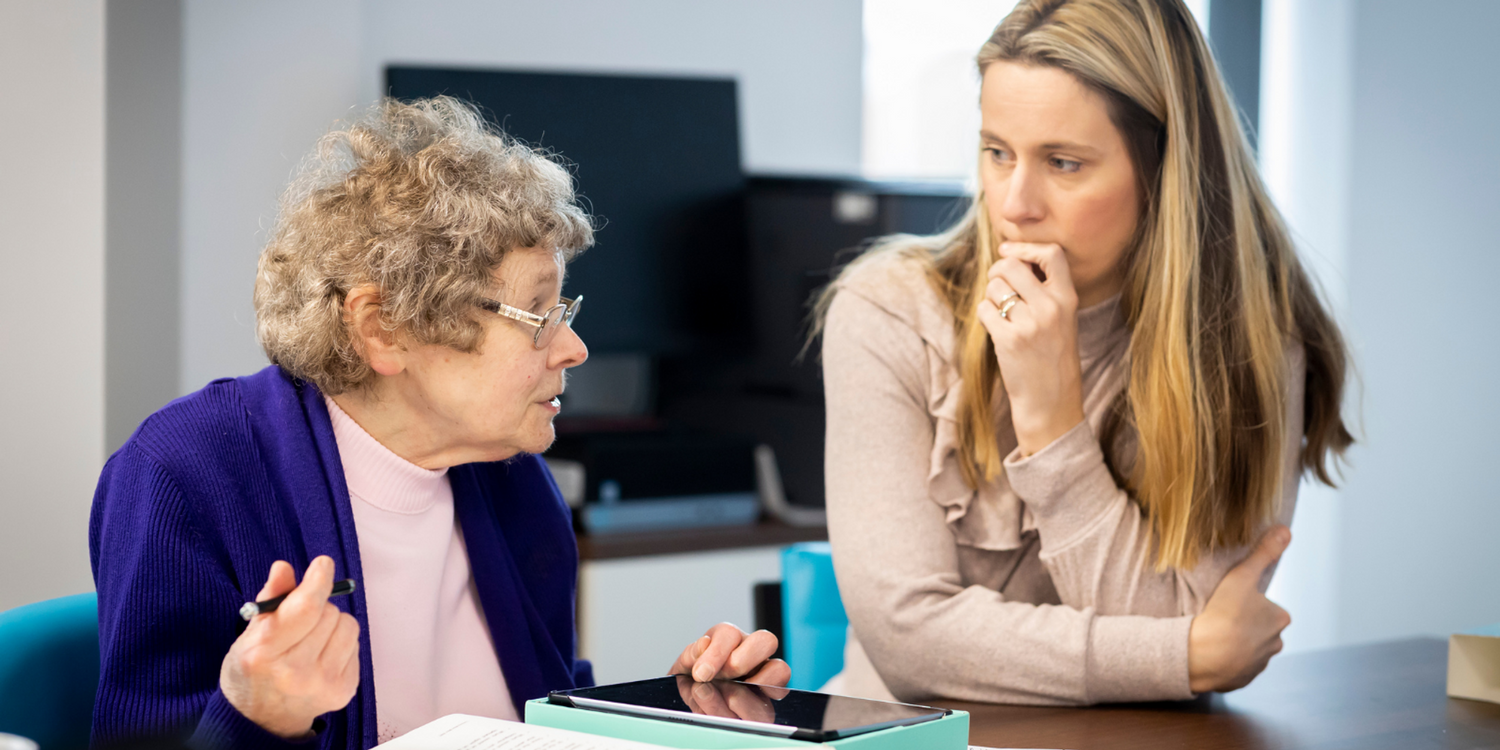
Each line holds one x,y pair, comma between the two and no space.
546,323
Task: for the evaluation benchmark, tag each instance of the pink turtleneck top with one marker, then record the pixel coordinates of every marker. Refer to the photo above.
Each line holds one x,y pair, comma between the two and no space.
429,642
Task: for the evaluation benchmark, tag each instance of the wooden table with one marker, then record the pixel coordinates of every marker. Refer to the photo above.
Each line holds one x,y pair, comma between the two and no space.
1388,695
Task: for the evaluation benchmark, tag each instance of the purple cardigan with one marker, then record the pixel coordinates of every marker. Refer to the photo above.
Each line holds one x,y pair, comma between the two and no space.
209,491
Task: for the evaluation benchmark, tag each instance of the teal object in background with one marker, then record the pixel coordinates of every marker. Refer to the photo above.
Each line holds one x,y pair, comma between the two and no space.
948,733
49,671
814,626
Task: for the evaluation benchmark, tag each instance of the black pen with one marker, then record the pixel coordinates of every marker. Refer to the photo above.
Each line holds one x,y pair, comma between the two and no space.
251,609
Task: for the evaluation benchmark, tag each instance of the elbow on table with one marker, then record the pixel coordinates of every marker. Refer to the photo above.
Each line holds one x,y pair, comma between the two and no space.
906,645
917,672
941,647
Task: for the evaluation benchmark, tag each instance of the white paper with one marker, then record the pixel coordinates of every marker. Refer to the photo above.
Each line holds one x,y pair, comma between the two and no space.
463,732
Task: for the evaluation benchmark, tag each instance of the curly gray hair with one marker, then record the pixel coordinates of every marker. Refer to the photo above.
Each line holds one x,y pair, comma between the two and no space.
422,200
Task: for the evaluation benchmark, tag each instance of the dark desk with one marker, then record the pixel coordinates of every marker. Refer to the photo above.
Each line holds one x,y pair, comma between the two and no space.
676,541
1388,695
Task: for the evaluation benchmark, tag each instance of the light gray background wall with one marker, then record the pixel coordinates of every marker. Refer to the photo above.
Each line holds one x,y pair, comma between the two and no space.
1304,144
1421,533
143,172
263,80
51,293
1381,154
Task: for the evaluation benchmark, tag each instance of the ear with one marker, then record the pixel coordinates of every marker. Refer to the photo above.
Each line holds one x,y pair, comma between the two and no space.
378,346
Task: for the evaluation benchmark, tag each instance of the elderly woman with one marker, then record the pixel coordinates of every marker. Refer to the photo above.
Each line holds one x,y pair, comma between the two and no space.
409,302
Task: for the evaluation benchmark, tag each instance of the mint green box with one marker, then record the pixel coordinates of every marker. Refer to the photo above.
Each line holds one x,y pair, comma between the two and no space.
948,733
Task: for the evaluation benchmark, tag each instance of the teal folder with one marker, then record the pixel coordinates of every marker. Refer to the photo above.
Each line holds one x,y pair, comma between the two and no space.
948,733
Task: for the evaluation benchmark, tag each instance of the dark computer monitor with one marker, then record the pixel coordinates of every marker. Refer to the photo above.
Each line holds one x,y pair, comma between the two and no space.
657,160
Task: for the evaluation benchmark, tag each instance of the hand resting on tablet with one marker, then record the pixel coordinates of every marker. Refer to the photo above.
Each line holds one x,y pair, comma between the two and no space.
727,653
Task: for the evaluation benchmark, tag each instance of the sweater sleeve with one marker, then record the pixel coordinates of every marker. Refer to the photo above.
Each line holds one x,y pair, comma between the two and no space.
167,612
1096,540
927,634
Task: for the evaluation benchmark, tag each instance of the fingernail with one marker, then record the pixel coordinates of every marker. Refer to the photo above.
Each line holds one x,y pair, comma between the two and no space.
702,673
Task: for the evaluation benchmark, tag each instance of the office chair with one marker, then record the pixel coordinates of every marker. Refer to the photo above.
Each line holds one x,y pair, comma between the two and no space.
49,671
814,626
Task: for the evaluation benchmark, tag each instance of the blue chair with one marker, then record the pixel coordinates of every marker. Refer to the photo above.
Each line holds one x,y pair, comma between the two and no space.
814,626
49,671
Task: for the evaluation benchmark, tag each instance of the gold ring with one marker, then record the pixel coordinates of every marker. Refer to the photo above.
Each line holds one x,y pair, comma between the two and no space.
1009,301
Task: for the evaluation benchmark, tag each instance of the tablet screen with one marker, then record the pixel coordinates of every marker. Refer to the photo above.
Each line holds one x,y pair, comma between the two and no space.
798,714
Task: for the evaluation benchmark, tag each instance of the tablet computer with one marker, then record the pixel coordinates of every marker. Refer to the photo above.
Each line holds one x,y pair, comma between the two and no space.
747,707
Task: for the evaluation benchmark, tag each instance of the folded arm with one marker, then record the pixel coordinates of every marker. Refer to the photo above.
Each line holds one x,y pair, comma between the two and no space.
926,633
1096,540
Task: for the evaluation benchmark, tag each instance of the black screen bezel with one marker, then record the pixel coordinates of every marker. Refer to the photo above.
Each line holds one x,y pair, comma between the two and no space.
610,704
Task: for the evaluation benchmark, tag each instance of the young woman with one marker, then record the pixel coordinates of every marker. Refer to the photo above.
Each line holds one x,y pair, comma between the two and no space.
1065,436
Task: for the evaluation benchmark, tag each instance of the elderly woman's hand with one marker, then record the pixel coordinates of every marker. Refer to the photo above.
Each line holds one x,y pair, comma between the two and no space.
728,653
730,700
295,664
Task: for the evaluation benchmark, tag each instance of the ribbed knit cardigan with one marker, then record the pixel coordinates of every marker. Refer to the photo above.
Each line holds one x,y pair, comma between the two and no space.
191,512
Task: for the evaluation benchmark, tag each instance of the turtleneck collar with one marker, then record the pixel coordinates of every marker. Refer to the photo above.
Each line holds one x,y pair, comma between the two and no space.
377,475
1100,328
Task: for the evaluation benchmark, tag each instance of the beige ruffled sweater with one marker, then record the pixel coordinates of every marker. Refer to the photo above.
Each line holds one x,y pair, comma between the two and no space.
1040,587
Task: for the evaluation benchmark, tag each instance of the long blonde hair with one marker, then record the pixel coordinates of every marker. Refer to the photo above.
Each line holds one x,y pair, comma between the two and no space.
1213,293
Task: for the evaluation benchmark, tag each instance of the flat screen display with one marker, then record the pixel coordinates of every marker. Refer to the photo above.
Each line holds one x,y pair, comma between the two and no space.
657,162
746,707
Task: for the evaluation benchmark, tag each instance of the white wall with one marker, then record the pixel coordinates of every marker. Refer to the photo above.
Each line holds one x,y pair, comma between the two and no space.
51,294
636,615
1305,132
798,63
1421,534
1378,144
263,80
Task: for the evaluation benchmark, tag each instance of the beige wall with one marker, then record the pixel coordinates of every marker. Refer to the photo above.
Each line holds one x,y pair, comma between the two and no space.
51,293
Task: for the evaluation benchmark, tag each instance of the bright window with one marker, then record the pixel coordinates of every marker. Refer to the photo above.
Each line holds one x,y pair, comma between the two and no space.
921,110
921,117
